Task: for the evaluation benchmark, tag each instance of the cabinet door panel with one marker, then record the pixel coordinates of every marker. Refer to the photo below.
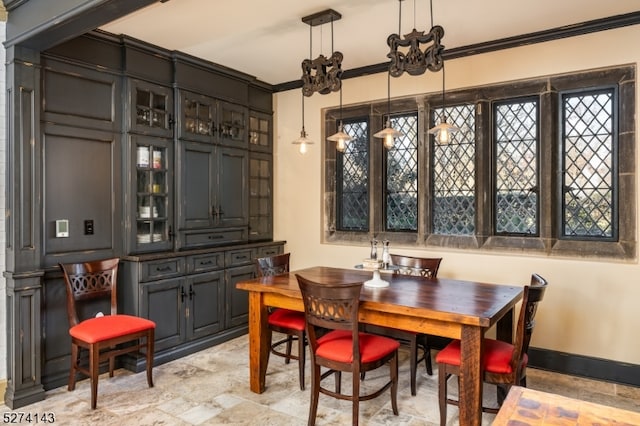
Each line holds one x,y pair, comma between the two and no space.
237,308
197,177
233,187
206,300
162,303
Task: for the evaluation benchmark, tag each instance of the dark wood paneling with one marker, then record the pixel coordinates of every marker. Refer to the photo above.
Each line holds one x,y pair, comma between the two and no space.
147,62
203,80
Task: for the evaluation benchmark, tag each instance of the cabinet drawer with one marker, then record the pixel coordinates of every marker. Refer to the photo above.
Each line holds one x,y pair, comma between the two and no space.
269,251
238,257
205,262
165,268
215,238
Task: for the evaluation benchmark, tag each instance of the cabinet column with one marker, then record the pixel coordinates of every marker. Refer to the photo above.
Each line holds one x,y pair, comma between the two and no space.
24,234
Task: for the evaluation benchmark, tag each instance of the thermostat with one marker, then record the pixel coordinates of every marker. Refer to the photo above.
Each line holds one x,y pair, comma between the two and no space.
62,228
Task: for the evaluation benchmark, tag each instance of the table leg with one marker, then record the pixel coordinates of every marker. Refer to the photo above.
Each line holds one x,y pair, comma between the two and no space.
470,392
258,344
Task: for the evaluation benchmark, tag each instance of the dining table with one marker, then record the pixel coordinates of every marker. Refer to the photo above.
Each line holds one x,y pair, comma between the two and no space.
445,307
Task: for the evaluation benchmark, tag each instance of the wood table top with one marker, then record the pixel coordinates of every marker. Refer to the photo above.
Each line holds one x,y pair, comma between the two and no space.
465,302
528,407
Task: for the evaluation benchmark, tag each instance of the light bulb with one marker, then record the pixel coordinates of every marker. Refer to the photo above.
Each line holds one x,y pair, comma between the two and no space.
303,148
388,141
444,136
340,145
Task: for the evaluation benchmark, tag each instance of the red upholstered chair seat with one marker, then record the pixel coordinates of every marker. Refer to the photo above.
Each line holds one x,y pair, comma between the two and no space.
288,319
497,356
338,346
108,327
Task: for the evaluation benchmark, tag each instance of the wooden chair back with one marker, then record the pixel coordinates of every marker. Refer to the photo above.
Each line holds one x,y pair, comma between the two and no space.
419,266
533,294
90,282
272,265
331,307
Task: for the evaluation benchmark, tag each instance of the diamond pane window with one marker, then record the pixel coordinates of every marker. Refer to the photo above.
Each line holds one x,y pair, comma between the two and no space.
454,180
352,169
589,169
401,198
516,167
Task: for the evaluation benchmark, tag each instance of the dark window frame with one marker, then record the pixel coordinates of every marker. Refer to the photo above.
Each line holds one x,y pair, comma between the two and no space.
549,241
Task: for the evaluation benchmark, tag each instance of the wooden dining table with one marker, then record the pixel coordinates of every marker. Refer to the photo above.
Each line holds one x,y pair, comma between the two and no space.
452,308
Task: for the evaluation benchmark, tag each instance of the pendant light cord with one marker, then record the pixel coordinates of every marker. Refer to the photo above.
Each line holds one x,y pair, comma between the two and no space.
303,113
444,113
431,11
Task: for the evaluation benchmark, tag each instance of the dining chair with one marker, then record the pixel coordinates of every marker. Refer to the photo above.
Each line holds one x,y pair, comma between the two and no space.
288,322
337,344
416,266
504,364
91,286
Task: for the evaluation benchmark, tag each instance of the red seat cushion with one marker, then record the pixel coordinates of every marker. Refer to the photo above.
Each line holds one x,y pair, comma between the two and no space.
288,319
497,356
338,346
107,327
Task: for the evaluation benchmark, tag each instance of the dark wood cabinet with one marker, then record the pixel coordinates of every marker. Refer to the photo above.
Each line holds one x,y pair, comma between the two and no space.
190,295
150,108
260,196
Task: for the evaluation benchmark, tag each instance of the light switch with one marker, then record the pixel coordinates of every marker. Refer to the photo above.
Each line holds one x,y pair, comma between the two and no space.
88,227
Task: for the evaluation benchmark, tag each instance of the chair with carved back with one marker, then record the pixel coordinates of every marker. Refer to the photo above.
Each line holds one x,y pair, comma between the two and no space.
423,267
285,321
504,364
91,286
337,344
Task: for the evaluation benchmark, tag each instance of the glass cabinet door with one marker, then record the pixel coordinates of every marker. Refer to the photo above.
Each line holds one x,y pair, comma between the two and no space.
232,129
260,132
198,114
260,197
151,108
152,202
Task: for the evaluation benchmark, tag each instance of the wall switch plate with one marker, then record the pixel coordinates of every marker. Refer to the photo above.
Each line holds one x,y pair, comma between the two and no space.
62,228
88,227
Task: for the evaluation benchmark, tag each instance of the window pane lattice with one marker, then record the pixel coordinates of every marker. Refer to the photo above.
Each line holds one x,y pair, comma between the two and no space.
516,180
402,176
353,185
453,208
588,165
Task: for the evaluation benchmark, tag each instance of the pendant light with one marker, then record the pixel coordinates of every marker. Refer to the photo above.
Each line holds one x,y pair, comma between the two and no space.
303,140
388,134
443,131
340,137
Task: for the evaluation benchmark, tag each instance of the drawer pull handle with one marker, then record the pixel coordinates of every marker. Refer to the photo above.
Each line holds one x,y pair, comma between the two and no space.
241,257
215,237
163,268
206,262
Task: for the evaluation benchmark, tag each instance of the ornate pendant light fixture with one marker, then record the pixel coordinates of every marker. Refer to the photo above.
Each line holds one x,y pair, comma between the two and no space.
321,75
415,61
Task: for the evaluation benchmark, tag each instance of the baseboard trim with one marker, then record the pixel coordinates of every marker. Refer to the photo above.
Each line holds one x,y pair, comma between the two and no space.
584,366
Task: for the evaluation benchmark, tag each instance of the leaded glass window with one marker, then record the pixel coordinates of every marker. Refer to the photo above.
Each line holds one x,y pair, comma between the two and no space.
516,167
352,168
401,200
454,184
589,176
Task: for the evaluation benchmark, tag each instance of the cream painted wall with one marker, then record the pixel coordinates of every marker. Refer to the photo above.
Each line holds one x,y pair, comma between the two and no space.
591,307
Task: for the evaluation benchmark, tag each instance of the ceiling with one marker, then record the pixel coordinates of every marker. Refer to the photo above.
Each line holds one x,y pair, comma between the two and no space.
268,40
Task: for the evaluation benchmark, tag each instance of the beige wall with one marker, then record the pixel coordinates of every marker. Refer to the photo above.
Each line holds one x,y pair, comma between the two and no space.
591,308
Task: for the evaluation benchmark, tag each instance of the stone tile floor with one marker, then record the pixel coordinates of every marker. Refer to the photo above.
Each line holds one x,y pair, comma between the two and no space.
211,388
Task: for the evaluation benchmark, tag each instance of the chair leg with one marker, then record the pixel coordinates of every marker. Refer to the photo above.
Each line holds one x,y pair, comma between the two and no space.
287,359
393,370
150,349
75,354
338,379
413,351
427,360
315,394
355,399
301,359
442,394
112,365
94,364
